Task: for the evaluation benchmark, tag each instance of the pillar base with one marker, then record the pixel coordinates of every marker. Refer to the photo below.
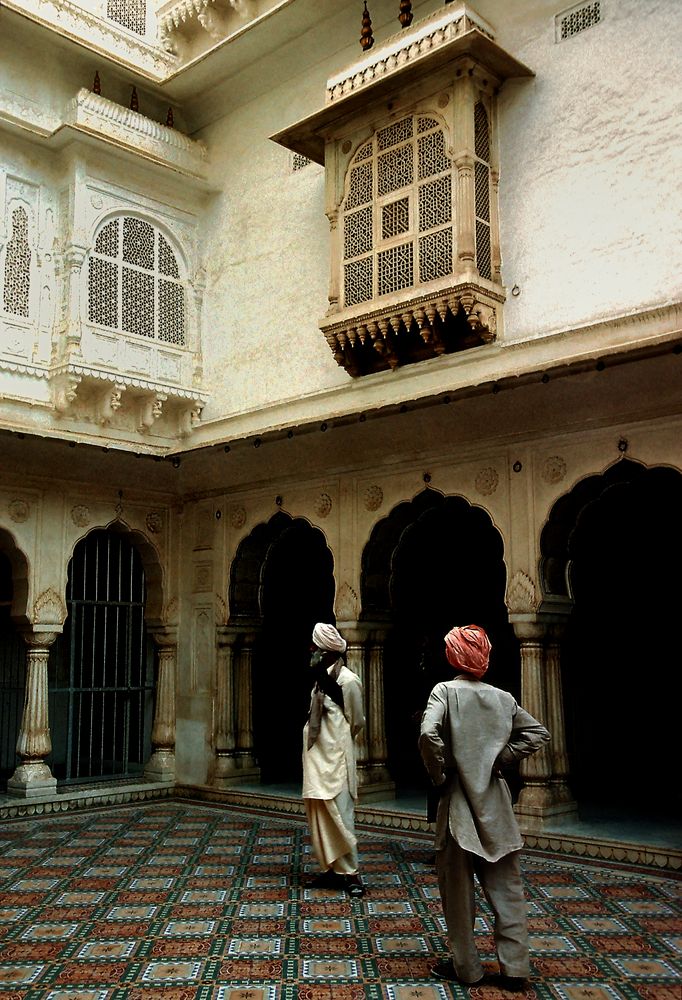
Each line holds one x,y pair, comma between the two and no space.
534,819
234,768
32,779
160,766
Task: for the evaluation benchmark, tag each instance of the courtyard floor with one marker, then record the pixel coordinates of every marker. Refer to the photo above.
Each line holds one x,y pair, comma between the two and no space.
177,901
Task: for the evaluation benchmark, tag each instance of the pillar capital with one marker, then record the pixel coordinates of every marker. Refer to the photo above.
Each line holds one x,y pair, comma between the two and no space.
165,636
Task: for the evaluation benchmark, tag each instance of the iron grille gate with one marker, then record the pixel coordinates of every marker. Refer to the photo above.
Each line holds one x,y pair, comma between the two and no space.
102,690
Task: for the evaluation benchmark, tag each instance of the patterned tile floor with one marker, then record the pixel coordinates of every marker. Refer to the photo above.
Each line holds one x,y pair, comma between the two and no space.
181,902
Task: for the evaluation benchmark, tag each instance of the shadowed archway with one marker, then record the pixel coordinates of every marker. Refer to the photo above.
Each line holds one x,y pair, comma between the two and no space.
281,584
614,546
13,593
433,562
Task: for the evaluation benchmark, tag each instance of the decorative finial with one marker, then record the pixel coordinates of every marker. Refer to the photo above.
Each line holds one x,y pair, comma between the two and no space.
96,85
134,103
366,36
405,15
169,118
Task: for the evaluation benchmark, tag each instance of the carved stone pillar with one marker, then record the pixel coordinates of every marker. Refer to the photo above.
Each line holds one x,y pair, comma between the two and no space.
244,750
367,643
355,658
556,726
161,764
543,798
224,709
466,246
33,776
73,262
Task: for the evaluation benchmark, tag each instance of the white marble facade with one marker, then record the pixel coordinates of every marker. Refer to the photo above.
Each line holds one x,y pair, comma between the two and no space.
165,284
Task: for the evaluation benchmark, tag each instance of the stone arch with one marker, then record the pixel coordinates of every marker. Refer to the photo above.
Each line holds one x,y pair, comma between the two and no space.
14,571
433,562
151,563
281,583
20,576
102,668
611,549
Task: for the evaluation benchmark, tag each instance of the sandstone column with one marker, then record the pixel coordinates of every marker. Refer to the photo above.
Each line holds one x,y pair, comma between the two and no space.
161,764
224,708
33,776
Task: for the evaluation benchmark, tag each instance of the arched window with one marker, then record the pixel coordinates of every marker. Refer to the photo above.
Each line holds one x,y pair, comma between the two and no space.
130,14
17,277
398,211
134,282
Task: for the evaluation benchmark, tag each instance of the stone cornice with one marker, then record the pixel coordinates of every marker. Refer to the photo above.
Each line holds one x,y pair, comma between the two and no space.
407,47
427,50
112,122
146,385
113,43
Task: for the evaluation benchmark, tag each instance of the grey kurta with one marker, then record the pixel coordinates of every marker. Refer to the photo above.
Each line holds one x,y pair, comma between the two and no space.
468,730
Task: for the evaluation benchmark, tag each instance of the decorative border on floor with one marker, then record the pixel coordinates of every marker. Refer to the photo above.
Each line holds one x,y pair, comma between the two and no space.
663,859
91,797
371,819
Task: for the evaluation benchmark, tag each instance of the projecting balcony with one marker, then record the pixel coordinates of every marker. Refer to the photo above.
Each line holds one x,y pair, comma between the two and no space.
407,140
412,326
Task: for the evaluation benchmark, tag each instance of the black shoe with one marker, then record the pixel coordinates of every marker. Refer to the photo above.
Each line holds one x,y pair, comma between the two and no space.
327,880
354,886
446,970
514,984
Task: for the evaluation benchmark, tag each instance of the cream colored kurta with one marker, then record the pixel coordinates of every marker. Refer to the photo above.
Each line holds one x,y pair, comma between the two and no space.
329,765
330,778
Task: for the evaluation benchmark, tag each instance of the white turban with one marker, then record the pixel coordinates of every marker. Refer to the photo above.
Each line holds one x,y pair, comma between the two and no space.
326,637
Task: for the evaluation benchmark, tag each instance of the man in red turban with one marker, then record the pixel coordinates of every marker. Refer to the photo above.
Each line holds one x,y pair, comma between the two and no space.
469,732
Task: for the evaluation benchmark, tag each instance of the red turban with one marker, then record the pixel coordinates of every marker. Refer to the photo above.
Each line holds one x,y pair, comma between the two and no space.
468,648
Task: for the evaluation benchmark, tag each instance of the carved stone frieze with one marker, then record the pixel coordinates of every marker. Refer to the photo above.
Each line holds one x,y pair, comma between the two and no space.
373,497
347,604
238,517
407,48
49,608
522,594
154,522
80,515
323,505
19,510
135,131
487,480
553,469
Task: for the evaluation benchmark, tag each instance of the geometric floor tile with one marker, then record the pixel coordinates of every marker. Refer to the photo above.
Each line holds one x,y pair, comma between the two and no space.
171,901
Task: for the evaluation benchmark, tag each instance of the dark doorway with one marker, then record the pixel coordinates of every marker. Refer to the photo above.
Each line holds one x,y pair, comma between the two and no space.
288,567
619,660
12,676
102,671
433,563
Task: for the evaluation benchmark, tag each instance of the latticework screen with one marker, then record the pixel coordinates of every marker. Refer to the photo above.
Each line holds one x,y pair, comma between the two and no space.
482,190
17,270
397,214
134,282
130,14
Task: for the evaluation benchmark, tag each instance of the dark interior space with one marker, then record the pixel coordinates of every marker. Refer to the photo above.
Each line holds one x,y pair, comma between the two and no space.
297,590
620,657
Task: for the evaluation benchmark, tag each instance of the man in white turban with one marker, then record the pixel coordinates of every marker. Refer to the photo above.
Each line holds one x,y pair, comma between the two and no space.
329,774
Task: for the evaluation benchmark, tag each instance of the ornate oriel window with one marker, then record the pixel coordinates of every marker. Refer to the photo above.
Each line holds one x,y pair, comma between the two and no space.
406,137
17,270
134,282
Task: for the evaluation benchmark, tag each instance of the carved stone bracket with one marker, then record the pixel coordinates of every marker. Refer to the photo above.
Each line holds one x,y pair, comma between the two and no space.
150,411
413,328
64,391
189,418
109,403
